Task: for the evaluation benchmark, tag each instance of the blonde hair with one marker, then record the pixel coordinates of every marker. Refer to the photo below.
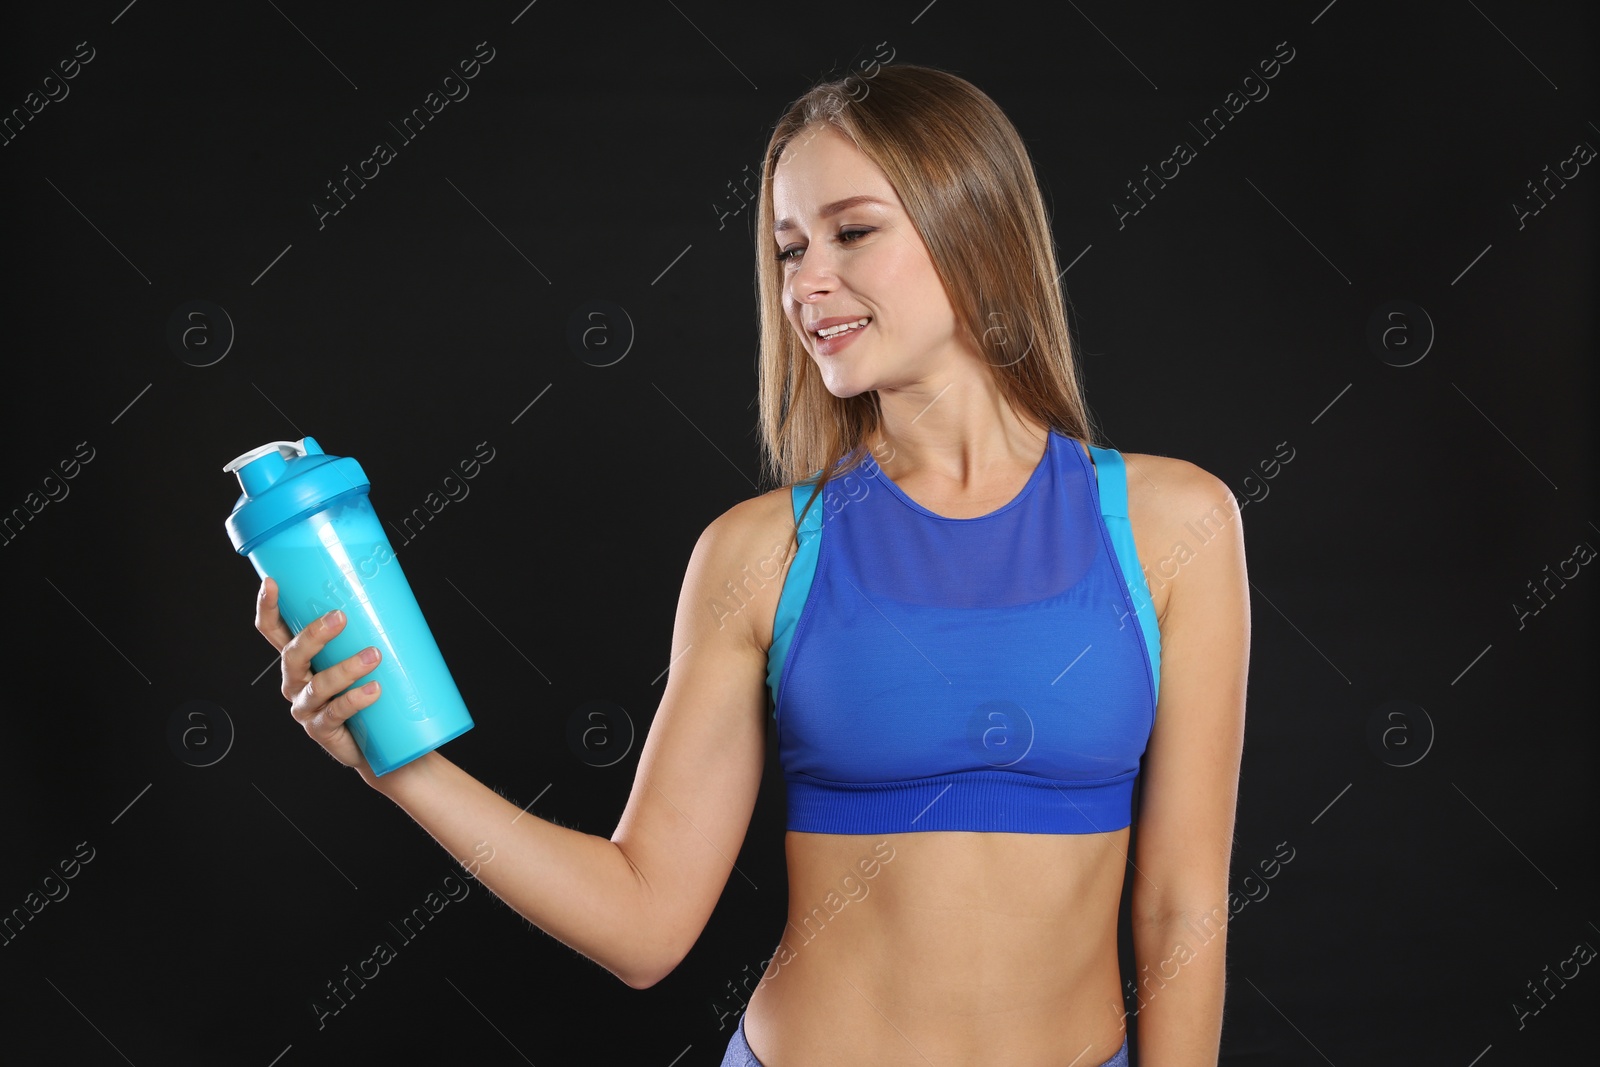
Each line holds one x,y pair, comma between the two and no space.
967,183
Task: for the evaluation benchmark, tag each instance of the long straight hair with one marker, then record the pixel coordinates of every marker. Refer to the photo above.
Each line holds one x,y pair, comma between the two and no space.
967,183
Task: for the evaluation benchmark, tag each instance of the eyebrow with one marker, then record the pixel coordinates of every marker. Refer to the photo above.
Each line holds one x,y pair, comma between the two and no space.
829,210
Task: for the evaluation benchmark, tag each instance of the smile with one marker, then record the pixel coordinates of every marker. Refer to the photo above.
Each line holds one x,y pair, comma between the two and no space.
835,331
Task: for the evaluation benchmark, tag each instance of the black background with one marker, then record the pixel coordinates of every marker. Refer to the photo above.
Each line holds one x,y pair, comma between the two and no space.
593,160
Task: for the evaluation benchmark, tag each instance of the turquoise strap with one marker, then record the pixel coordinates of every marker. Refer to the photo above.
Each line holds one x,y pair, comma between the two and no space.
796,585
1114,506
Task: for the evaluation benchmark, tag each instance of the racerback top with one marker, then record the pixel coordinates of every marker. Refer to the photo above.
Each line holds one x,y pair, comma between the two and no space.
998,673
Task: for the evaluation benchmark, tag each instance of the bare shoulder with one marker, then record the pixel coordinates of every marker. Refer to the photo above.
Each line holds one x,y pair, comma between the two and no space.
1167,487
748,549
1175,508
757,521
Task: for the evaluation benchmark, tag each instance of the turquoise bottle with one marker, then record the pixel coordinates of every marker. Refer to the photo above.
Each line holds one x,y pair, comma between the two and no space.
306,521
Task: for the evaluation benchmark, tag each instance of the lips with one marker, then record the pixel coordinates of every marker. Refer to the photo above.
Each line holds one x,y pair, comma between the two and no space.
828,347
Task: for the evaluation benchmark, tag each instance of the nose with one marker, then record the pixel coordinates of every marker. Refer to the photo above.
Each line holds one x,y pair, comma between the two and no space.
814,276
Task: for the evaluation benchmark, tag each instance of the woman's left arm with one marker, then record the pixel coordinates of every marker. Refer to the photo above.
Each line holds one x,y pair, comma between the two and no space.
1190,779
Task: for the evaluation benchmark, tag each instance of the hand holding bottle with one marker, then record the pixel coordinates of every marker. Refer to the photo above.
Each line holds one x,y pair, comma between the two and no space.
306,524
320,701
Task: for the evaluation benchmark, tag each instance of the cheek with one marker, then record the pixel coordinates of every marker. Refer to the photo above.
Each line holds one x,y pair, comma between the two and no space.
791,315
912,283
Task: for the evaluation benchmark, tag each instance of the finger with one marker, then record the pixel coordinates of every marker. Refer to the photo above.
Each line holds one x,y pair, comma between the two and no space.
332,715
298,653
325,685
268,621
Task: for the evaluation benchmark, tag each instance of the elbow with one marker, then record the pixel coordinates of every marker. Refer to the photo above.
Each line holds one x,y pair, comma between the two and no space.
658,940
641,973
1205,905
653,951
646,973
638,981
1202,915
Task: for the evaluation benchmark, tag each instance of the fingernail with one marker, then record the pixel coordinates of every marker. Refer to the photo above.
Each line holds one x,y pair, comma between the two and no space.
369,656
335,617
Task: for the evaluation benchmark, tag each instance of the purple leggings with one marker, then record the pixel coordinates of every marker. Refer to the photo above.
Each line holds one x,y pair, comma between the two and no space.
739,1054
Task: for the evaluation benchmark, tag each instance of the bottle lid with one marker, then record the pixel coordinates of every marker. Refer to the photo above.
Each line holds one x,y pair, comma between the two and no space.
283,481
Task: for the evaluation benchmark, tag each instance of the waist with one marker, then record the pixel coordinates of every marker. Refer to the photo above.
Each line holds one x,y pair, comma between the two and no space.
976,947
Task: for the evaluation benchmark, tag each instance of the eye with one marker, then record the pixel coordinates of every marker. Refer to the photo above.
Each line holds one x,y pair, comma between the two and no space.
846,236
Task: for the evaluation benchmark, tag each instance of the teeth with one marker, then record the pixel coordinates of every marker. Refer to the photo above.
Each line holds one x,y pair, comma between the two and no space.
834,331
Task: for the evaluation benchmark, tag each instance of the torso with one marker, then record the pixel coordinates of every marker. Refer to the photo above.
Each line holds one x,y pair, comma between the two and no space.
962,947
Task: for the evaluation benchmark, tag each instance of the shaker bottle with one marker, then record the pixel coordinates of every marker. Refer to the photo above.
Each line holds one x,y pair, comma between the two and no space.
305,521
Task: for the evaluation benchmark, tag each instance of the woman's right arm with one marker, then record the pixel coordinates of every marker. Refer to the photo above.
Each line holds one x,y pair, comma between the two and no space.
636,903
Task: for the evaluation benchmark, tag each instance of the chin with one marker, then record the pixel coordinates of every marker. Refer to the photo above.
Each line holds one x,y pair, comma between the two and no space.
844,387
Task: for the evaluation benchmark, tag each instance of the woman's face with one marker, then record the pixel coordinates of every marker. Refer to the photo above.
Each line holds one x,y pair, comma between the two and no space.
848,251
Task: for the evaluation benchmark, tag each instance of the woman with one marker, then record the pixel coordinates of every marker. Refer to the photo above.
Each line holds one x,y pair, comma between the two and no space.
961,647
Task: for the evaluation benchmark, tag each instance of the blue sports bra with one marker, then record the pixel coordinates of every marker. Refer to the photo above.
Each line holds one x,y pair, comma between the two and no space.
998,673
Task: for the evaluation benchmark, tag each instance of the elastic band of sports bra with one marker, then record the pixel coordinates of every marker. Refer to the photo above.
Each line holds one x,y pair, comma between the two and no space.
996,801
